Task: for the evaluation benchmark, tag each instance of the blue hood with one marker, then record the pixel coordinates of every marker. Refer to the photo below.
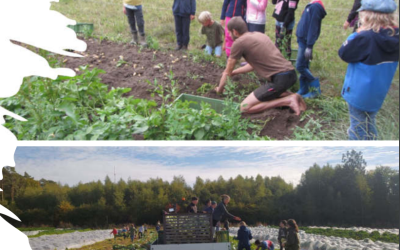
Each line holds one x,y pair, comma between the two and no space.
373,61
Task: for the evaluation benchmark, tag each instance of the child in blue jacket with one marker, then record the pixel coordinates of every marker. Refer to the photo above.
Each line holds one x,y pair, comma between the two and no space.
244,236
184,12
308,31
373,55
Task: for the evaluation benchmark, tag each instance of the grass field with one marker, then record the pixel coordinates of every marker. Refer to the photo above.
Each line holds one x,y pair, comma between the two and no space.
110,23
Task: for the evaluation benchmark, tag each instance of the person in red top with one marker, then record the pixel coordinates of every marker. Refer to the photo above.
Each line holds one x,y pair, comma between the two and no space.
265,245
114,232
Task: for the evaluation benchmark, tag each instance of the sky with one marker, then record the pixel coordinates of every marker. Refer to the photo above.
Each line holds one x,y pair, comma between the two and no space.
71,165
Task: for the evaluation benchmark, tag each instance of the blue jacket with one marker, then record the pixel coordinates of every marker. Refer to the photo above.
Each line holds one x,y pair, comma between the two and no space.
209,210
244,236
184,8
309,27
373,59
232,8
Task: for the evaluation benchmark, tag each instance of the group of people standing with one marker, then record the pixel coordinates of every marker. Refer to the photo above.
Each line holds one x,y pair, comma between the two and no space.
129,231
288,237
372,52
219,211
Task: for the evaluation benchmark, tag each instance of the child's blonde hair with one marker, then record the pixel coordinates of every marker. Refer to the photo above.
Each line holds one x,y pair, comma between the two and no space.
375,21
243,224
205,16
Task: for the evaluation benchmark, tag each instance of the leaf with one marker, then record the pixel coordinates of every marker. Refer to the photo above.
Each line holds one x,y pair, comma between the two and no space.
69,110
68,98
199,134
140,130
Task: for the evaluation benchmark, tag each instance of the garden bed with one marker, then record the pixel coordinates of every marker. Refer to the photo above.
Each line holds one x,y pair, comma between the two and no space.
127,66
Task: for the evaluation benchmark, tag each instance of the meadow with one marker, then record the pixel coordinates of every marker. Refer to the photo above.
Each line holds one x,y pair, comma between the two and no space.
100,102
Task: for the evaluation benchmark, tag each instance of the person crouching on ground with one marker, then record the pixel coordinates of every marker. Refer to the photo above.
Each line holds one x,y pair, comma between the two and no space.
244,236
265,245
373,55
184,12
133,10
214,33
267,61
292,239
308,31
282,233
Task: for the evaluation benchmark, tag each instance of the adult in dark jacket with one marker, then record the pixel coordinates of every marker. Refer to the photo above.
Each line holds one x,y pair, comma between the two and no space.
308,31
282,234
192,208
184,12
221,213
352,19
244,236
284,14
210,209
373,56
292,239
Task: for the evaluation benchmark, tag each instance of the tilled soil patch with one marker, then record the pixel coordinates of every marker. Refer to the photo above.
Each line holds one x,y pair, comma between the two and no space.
127,66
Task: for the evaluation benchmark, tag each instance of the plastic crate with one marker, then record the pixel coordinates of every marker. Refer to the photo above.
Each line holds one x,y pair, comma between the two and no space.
82,27
217,105
222,236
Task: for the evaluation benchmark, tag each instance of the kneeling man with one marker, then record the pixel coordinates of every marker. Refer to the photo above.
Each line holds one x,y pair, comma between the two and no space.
267,61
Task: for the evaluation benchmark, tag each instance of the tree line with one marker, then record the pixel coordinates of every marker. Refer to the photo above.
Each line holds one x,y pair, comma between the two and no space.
342,195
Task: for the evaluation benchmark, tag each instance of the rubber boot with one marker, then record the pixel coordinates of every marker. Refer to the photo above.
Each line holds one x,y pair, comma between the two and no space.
303,88
315,90
178,47
143,41
135,39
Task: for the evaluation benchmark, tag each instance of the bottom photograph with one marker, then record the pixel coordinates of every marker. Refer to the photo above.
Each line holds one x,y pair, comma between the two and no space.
201,198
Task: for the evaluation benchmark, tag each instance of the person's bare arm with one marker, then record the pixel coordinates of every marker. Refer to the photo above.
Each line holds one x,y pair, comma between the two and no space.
242,70
228,72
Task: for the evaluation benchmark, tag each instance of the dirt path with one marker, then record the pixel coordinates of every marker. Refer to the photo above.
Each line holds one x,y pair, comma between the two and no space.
147,65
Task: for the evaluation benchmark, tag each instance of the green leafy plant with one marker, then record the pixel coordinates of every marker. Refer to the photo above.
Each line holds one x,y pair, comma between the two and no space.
205,88
121,62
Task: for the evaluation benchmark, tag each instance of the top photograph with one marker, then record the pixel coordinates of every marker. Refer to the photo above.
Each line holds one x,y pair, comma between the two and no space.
200,70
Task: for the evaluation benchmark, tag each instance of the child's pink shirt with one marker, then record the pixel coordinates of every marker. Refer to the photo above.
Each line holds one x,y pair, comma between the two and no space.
256,11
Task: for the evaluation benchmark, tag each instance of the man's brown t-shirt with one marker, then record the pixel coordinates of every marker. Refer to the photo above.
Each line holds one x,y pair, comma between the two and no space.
259,51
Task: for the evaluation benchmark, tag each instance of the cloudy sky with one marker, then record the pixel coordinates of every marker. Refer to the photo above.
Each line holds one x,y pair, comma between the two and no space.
71,165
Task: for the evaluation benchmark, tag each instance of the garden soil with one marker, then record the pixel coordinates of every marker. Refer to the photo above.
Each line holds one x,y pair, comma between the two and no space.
144,65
